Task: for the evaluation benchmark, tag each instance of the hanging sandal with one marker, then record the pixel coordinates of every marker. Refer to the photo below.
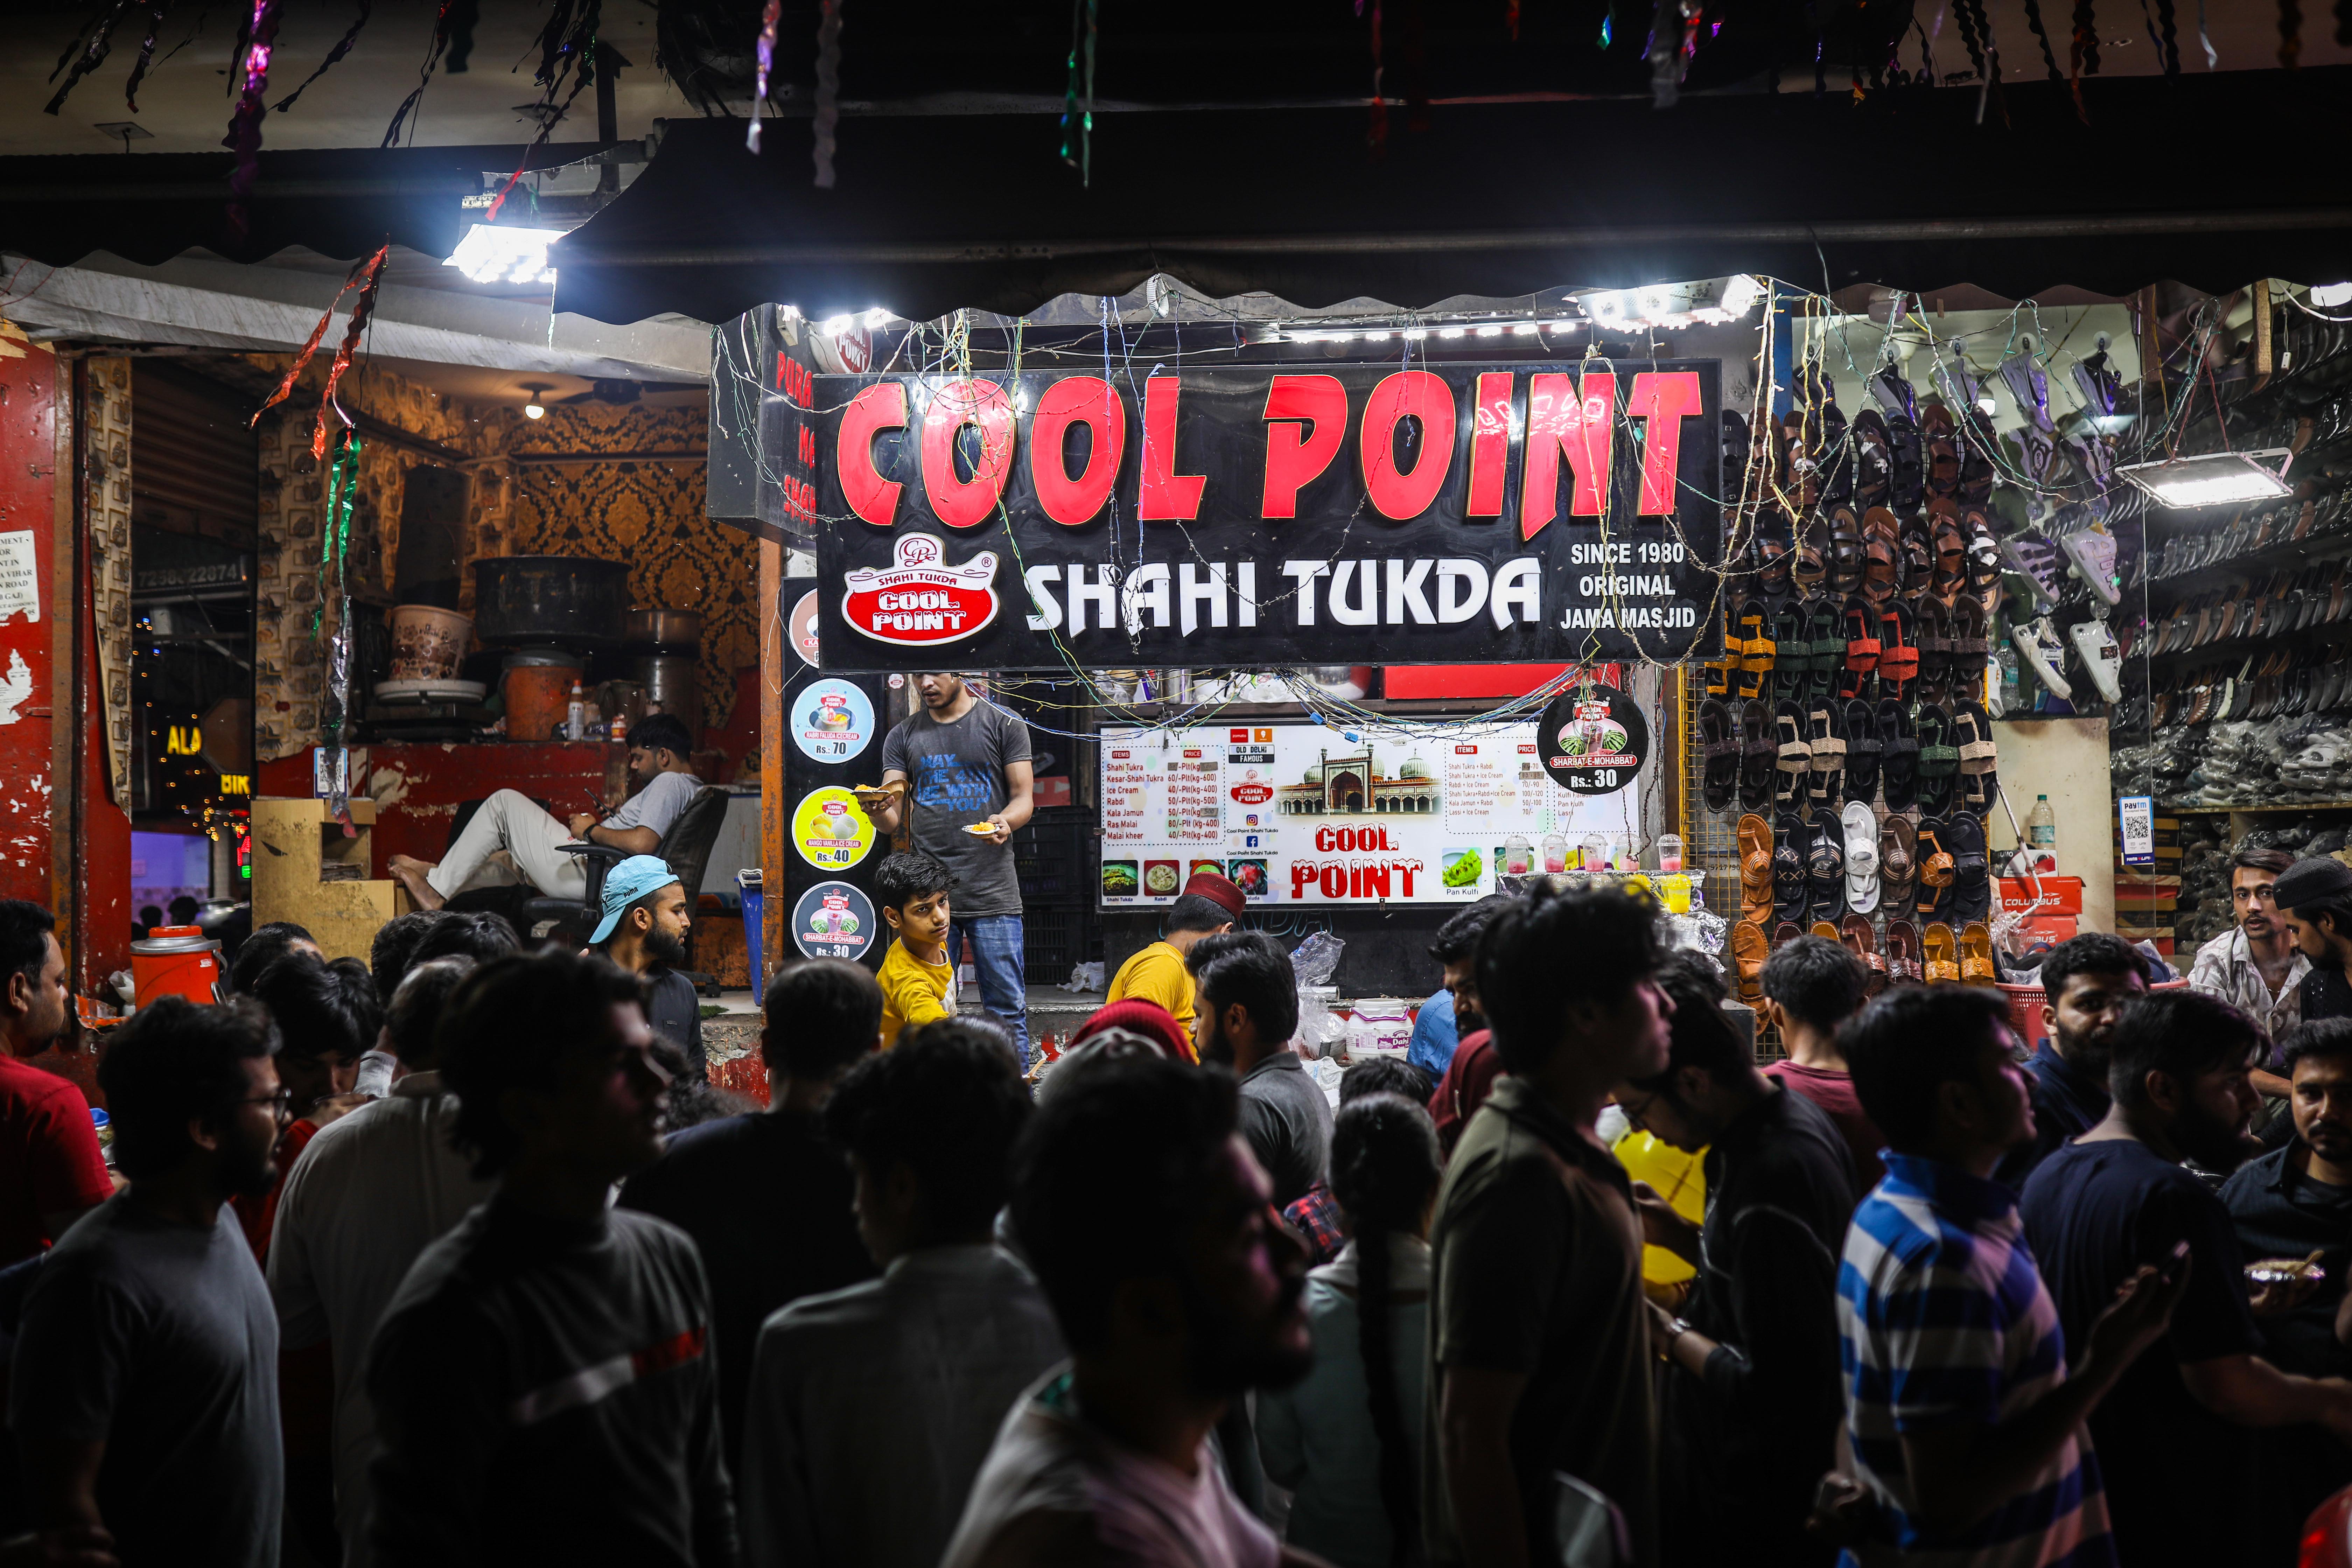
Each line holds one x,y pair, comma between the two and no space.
1756,650
1898,867
1862,943
1972,891
1902,965
1934,895
1965,679
1899,762
1845,550
1916,549
1898,651
1882,561
1976,955
1795,753
1860,858
1972,728
1824,629
1756,755
1794,661
1721,750
1939,759
1827,931
1934,623
1749,949
1951,555
1859,657
1826,736
1825,867
1874,459
1722,670
1755,837
1942,955
1791,840
1863,752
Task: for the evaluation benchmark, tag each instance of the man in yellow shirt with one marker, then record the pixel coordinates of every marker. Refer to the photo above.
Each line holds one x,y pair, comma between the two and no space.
917,974
1209,904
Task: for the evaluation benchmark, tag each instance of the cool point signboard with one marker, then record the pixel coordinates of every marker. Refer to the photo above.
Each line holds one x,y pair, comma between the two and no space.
1265,515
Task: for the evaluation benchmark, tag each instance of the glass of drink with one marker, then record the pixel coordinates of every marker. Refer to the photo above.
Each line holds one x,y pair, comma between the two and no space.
1670,852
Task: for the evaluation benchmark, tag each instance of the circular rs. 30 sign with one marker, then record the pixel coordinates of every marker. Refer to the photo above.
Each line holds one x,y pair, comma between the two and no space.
1592,742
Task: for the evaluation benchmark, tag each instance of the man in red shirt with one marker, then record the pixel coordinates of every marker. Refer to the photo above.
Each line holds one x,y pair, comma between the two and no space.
51,1172
1811,987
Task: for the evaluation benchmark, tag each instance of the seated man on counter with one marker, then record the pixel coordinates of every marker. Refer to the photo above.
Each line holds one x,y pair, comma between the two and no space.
661,782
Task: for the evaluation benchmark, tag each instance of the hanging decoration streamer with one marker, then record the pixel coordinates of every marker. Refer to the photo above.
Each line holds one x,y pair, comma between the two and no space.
2212,55
2084,55
1078,119
568,50
92,43
342,46
351,279
2168,32
244,136
2041,36
423,75
361,308
1975,31
829,89
335,545
146,53
767,51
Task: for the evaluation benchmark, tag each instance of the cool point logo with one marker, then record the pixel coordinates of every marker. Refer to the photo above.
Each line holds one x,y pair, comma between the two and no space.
919,600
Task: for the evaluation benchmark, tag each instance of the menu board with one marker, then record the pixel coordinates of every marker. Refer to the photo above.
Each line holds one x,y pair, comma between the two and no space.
1302,814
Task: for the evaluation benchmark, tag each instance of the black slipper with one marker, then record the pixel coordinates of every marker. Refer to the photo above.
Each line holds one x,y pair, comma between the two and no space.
1972,887
1899,762
1863,750
1721,749
1756,755
1825,867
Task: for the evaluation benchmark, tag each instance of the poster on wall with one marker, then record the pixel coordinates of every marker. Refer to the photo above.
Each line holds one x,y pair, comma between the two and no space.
1257,516
831,831
1300,814
832,721
834,919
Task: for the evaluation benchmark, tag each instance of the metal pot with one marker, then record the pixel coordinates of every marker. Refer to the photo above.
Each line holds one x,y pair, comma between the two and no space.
565,601
668,682
665,628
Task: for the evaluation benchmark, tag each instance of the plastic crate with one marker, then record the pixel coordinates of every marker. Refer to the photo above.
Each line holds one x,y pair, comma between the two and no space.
1054,858
1055,941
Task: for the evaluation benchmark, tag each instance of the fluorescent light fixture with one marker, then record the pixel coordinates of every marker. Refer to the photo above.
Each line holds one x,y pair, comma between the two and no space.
1414,334
1609,309
1490,332
1523,328
1740,294
833,326
1559,326
1451,331
1654,303
2332,294
1377,335
2217,479
502,254
877,317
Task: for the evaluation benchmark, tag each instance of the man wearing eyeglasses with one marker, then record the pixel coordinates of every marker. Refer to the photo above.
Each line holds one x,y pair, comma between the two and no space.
2255,965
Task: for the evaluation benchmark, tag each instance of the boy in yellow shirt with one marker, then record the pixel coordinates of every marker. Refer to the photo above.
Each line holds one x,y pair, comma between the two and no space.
917,974
1159,973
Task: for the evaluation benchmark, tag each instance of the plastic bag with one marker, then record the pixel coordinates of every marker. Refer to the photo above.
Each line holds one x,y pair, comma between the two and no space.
1316,960
1085,977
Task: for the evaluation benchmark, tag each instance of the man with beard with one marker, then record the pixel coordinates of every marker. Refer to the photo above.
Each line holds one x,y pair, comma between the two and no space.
542,1385
144,1391
2314,899
2085,982
1248,1010
646,916
51,1171
2118,1199
2255,966
958,772
2295,1203
1147,1221
1538,1331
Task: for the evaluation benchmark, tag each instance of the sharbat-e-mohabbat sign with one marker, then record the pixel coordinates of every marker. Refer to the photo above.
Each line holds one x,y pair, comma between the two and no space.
1263,516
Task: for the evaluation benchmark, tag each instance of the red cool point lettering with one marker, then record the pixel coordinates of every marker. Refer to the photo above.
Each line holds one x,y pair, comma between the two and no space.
1353,879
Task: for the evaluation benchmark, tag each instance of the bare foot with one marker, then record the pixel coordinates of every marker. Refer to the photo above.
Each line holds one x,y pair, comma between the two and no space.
410,872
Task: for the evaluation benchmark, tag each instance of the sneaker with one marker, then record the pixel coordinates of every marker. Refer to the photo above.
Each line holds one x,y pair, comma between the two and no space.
2038,641
2101,657
2094,555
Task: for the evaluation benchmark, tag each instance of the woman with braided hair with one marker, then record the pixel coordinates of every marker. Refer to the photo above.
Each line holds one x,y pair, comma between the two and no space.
1356,1480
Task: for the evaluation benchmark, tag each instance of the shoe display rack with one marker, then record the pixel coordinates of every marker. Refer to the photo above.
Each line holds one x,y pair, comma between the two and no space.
1843,736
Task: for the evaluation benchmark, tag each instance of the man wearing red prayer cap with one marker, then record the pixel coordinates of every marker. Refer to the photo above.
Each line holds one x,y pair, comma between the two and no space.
1209,904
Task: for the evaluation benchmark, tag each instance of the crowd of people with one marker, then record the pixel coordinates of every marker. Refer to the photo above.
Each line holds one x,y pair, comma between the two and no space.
449,1257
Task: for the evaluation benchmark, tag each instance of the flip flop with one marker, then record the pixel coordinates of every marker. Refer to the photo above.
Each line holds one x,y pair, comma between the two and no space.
1860,858
1795,753
1754,836
1971,891
1972,728
1935,868
1942,955
1859,657
1862,943
1899,763
1898,867
1756,755
1825,735
1825,867
1749,949
1898,650
1790,839
1977,967
1939,758
1721,750
1863,750
1903,953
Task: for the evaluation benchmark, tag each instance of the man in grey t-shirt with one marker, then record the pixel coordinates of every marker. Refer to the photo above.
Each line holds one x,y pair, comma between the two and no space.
1247,1009
958,763
664,784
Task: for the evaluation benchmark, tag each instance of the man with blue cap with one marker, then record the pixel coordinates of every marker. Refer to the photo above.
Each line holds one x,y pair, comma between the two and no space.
646,916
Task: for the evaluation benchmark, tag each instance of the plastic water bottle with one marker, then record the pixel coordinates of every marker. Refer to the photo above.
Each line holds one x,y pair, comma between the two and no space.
575,714
2042,834
2012,693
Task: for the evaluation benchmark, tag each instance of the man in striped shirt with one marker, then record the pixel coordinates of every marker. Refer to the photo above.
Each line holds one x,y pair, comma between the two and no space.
1964,1425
